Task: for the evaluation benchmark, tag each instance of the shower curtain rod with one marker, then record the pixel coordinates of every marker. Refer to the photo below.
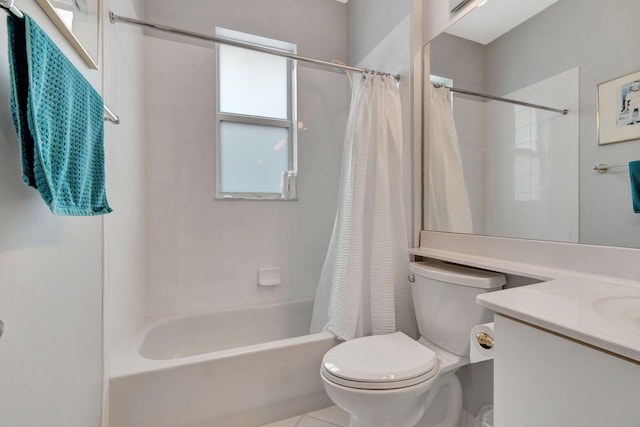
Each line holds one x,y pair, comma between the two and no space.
497,98
115,18
9,7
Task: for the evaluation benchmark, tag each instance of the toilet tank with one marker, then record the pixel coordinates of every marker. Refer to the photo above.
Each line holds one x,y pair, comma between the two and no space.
444,299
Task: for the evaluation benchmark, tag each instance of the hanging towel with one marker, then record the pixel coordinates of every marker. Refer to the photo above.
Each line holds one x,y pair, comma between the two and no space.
634,175
59,120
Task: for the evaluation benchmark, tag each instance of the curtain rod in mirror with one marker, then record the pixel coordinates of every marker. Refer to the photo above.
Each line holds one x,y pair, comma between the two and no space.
497,98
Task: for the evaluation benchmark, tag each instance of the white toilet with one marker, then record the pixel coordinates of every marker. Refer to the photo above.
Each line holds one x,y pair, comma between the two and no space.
395,381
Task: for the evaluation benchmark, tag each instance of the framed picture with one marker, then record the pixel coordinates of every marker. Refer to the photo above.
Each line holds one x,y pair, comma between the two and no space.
619,109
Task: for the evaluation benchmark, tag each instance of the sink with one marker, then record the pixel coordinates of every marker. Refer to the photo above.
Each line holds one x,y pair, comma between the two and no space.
625,309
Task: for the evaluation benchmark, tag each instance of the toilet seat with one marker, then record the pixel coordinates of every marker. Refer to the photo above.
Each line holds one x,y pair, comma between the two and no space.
380,362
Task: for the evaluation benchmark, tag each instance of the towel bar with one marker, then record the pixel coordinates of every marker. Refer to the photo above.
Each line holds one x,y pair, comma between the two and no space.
604,168
11,8
8,4
109,116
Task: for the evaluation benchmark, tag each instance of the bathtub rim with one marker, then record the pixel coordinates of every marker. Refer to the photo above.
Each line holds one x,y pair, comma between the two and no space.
127,360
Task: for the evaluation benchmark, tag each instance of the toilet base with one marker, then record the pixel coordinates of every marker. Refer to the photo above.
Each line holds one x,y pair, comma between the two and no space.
404,407
443,403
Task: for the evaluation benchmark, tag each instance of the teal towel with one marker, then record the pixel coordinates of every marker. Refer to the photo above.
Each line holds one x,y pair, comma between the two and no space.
634,175
59,119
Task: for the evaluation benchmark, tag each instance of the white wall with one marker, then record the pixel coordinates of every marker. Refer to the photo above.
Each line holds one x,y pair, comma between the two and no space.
124,242
596,37
436,17
205,253
531,187
124,258
50,288
369,23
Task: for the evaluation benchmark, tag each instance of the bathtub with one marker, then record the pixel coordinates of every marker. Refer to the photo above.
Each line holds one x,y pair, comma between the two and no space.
234,368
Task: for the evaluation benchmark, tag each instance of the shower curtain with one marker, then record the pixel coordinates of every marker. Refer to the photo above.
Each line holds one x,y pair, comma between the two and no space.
448,200
363,288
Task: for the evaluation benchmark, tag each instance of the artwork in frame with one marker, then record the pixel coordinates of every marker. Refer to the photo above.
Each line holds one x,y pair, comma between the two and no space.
619,109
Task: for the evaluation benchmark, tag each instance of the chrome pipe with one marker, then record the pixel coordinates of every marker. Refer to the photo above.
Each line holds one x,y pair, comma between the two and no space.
110,116
8,4
117,18
498,98
604,168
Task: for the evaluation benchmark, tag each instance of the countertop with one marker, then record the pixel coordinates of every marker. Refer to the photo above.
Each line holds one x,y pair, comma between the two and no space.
600,311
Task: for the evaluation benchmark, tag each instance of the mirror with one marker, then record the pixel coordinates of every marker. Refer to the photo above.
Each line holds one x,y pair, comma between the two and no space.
77,20
528,172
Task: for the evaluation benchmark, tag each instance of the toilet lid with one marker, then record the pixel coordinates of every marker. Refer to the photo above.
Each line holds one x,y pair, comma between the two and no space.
380,361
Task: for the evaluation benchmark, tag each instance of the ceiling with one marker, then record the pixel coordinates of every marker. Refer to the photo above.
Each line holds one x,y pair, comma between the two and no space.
496,17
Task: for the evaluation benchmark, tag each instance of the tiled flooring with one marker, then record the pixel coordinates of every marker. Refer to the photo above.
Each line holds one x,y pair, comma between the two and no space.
336,417
328,417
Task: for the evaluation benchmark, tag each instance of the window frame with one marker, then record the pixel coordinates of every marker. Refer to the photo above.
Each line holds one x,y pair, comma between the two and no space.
290,123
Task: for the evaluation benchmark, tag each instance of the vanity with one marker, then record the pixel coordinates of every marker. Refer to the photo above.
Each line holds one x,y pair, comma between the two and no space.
545,379
567,348
568,353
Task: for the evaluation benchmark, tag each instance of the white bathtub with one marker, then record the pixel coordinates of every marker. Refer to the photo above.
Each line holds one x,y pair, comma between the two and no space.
235,368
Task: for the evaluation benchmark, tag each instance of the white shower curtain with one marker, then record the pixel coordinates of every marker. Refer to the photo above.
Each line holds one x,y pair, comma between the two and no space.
363,288
448,200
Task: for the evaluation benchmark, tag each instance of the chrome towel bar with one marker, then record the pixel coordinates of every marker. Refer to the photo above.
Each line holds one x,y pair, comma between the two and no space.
604,168
12,9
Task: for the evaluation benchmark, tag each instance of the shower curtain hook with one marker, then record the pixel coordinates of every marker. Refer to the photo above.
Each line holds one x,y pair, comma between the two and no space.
347,72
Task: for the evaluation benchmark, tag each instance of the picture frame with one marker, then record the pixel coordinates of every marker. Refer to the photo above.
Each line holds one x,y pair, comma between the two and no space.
619,109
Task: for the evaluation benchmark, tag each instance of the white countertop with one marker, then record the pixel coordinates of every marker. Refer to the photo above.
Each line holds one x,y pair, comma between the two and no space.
601,311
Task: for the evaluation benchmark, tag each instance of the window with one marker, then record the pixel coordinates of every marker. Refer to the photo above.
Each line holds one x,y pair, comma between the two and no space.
256,142
444,81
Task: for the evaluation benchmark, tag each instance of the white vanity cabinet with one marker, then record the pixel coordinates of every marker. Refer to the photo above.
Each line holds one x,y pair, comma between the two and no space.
545,379
567,349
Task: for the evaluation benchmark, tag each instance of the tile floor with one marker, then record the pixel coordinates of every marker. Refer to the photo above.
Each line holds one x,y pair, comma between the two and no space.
327,417
336,417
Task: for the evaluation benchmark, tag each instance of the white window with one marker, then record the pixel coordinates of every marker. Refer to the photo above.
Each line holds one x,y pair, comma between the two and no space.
443,81
256,144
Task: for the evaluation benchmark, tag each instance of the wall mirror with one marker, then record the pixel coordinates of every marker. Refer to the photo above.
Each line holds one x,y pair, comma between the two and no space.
78,21
528,172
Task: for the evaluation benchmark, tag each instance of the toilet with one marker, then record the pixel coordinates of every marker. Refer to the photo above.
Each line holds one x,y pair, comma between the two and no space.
395,381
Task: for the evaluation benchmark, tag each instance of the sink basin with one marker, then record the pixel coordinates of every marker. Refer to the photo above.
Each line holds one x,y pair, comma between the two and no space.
625,309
